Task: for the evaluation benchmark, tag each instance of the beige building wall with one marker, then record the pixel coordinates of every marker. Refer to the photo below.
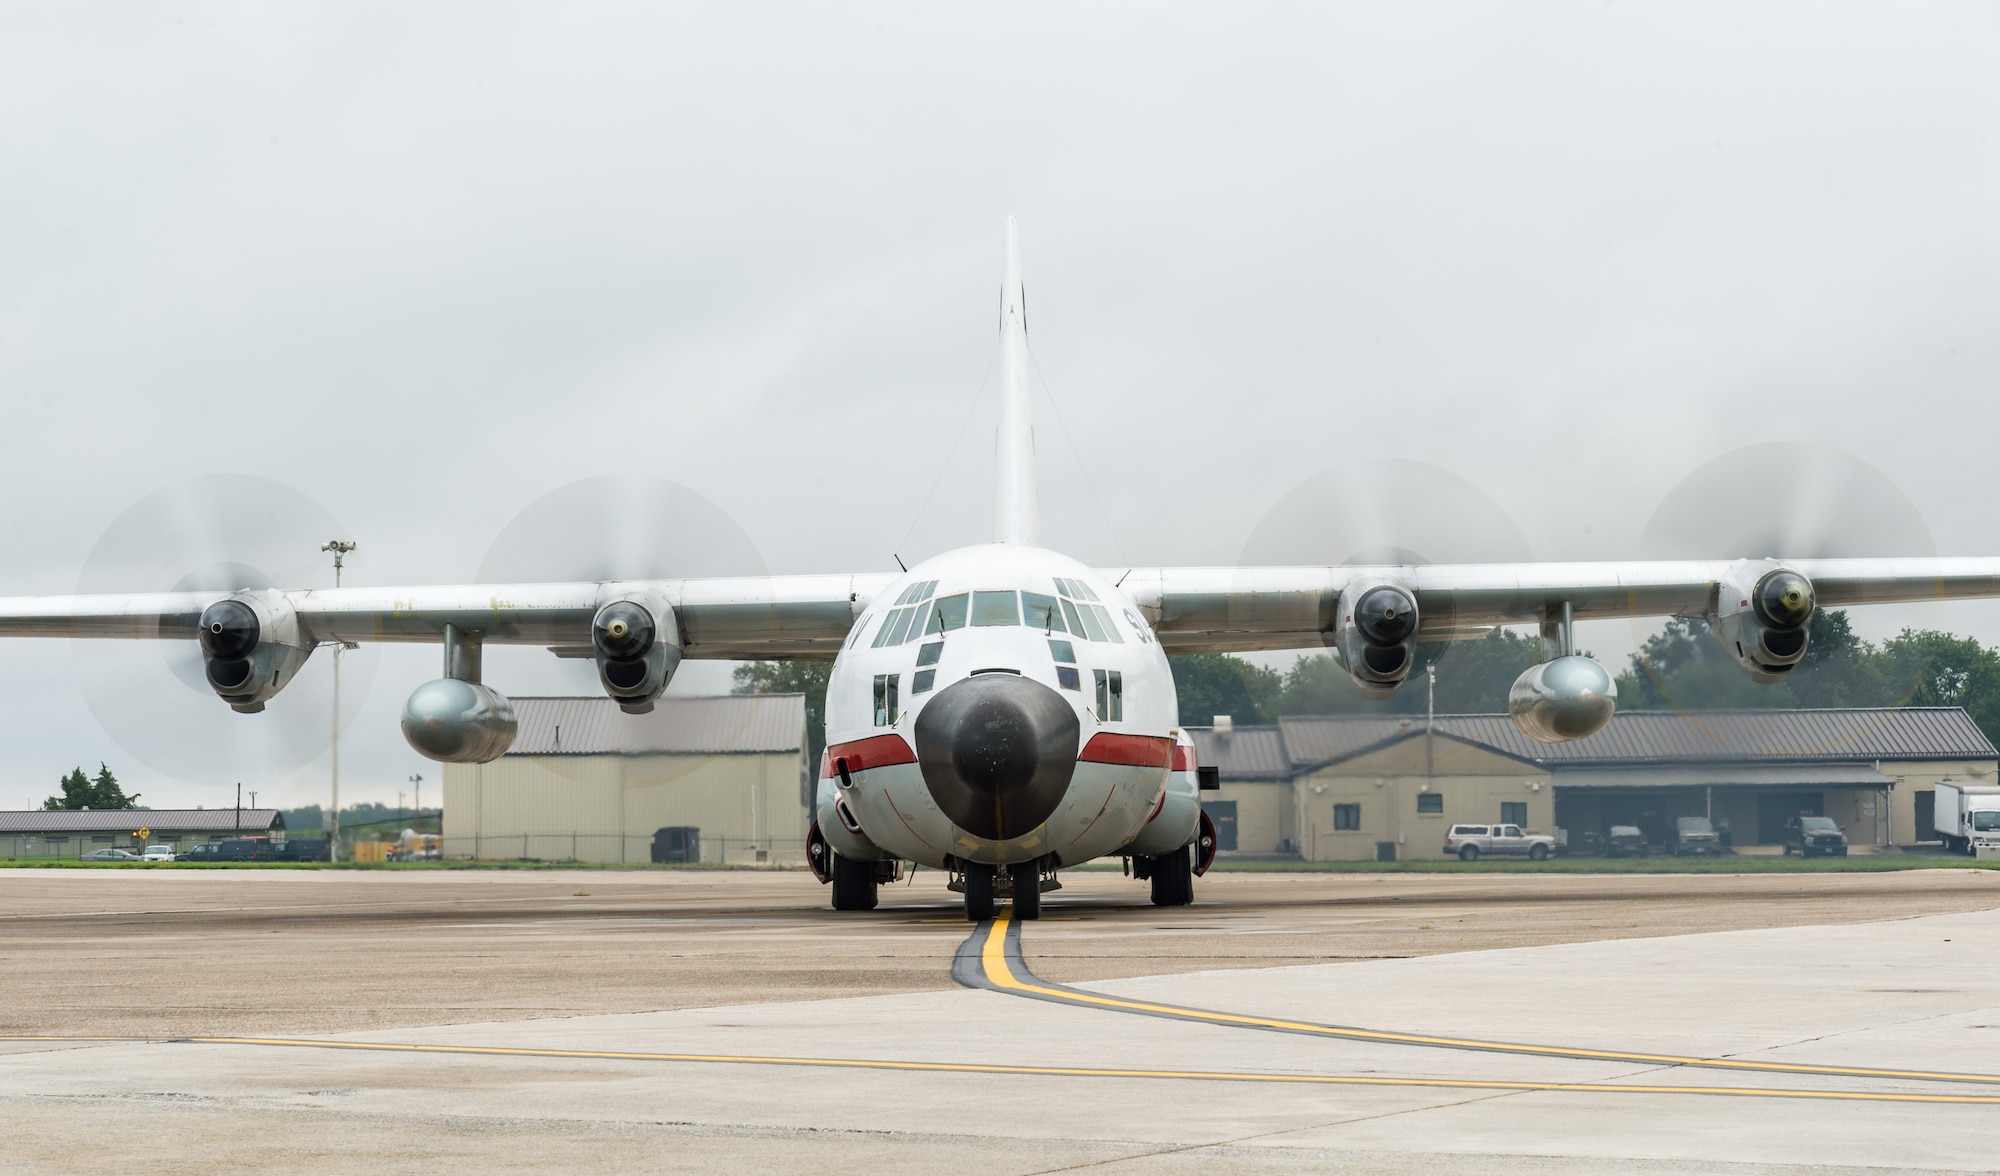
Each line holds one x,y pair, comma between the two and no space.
1917,776
1266,812
606,808
1386,784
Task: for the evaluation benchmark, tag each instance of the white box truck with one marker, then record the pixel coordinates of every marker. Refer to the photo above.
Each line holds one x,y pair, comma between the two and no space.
1967,816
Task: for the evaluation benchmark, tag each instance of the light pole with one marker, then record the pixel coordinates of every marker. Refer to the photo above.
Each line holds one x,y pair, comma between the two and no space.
417,785
339,548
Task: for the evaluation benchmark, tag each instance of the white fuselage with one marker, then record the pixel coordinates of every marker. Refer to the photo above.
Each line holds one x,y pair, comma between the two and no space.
1038,617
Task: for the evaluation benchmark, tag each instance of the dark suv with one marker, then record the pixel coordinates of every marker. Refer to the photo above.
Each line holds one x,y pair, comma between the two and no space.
235,849
1807,836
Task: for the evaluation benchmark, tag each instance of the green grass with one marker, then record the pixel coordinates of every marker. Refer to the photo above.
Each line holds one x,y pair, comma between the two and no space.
1654,865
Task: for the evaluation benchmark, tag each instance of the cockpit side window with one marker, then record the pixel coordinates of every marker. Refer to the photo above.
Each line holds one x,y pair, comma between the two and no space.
995,608
949,614
1043,612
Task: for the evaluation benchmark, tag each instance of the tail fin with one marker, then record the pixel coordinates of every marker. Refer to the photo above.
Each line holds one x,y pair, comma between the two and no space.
1016,507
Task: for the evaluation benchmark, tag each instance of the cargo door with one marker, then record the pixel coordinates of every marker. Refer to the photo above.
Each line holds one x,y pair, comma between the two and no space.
1926,829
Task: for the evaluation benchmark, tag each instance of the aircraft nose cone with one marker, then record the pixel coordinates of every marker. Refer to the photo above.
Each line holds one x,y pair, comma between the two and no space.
997,752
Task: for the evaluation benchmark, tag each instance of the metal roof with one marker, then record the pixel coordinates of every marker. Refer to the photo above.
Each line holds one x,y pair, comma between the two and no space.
160,821
728,724
1723,776
1248,753
1859,734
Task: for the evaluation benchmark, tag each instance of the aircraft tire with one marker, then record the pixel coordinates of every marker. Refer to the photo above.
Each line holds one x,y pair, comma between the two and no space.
1173,879
1027,879
854,886
978,892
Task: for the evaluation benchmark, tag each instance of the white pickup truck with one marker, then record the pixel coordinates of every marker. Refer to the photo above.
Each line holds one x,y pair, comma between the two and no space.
1967,815
1470,842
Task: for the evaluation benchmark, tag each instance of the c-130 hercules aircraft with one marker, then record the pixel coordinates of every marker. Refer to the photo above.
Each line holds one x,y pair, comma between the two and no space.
1001,711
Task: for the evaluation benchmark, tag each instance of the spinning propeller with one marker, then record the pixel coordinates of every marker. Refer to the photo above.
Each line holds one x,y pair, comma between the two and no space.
215,534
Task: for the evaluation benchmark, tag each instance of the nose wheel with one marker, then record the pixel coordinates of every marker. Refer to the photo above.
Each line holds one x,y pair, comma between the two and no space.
1026,878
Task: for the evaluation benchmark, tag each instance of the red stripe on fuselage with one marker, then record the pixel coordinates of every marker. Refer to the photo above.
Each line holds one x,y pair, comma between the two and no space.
1139,751
863,754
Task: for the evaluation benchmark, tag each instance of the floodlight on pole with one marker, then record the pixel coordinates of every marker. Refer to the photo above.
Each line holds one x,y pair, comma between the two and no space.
339,548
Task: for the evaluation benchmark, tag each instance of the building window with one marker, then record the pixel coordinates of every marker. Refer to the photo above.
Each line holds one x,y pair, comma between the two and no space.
1110,696
886,688
1513,812
1430,802
1346,816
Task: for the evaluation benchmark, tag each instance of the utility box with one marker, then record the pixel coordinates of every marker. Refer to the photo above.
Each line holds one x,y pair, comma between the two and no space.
1988,853
678,844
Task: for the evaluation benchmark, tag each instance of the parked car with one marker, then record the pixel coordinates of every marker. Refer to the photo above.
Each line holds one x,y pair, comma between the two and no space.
1807,836
1691,835
1468,842
1626,840
109,855
158,853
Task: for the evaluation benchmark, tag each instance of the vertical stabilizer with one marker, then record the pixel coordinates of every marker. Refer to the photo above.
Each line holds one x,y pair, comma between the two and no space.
1016,509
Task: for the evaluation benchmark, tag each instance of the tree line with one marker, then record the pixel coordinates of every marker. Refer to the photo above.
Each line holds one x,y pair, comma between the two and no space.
79,791
1681,668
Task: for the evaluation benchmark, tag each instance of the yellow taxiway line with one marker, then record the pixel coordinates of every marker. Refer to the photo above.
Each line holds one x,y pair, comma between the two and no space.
1094,1071
1002,968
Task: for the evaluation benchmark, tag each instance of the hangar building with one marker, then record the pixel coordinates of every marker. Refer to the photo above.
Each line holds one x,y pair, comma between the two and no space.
1379,788
587,782
68,833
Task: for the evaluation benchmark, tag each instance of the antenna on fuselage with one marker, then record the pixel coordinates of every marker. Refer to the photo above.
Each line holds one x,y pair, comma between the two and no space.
1016,509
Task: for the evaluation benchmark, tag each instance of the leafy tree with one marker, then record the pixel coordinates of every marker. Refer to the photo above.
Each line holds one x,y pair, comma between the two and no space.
1211,684
1472,678
81,792
792,677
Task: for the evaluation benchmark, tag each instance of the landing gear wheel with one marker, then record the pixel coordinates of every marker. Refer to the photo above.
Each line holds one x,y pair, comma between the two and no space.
1173,879
1469,854
853,884
978,891
1027,880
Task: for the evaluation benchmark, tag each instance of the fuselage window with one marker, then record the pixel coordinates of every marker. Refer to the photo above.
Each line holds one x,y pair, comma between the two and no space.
928,655
1063,652
995,608
949,614
921,684
886,702
1042,612
1077,590
903,618
1098,613
1110,696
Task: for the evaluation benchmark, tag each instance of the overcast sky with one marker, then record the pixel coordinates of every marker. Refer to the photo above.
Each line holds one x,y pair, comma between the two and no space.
425,263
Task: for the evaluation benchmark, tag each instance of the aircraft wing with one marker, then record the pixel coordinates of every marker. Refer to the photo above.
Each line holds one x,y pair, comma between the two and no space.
741,618
1217,610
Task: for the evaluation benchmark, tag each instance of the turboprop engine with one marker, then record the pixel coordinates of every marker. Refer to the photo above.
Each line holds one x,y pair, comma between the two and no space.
251,646
1761,613
456,720
638,647
1375,636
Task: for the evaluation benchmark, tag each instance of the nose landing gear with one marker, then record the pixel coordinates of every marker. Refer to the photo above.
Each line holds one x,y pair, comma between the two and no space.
1021,883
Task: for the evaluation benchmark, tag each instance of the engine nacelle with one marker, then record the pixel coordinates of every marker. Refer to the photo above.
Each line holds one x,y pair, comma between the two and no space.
459,722
1375,635
1761,615
251,646
1564,699
637,641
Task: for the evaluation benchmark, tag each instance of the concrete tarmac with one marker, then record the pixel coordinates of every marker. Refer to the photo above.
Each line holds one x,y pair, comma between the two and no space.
1863,973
